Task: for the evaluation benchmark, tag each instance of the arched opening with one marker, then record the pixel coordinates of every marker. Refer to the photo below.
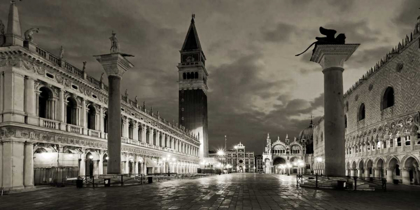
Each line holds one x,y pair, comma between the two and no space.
394,172
188,75
184,76
369,168
279,164
106,122
89,165
45,103
196,75
354,169
348,169
361,114
91,117
122,128
139,133
161,143
279,149
71,111
412,175
388,98
154,137
105,164
380,168
345,121
148,135
130,129
361,168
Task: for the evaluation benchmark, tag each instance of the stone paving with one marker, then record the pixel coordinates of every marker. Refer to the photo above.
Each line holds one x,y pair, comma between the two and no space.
229,191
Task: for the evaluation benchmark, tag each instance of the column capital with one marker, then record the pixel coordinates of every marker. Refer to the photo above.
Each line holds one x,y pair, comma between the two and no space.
114,64
333,55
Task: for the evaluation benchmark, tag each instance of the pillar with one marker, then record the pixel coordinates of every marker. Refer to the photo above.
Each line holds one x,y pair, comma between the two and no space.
101,120
377,172
158,138
389,175
1,159
101,165
406,176
30,100
115,65
125,127
83,116
29,165
82,165
143,133
13,164
61,109
135,167
14,93
331,58
135,131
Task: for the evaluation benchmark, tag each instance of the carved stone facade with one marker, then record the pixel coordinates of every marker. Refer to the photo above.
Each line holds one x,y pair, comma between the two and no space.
53,119
282,157
382,119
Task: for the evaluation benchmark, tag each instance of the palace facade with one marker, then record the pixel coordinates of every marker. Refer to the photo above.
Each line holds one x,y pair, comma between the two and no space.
54,124
382,118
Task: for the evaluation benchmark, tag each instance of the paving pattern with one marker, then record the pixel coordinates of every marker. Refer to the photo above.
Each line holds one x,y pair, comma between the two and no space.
229,191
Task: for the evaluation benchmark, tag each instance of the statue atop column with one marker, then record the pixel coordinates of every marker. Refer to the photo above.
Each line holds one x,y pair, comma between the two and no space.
329,39
114,43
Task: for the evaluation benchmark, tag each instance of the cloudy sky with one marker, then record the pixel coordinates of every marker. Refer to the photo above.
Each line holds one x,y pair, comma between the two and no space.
257,85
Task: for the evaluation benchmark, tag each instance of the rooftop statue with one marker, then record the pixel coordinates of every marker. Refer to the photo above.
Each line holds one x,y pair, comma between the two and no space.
329,39
28,34
114,43
61,52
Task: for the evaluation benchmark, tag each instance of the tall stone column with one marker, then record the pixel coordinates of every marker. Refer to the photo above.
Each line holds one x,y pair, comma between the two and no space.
135,131
30,100
331,58
29,165
115,65
61,109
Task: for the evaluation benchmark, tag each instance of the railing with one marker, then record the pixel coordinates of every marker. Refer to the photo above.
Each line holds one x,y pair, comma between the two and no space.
53,59
41,52
74,129
94,133
47,123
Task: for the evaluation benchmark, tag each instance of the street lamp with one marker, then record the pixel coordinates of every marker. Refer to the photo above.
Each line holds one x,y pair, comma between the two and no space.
319,160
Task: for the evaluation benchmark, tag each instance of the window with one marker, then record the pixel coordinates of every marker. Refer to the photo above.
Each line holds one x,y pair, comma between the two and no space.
361,114
130,130
106,122
407,140
91,117
71,111
45,103
345,121
399,141
139,133
388,98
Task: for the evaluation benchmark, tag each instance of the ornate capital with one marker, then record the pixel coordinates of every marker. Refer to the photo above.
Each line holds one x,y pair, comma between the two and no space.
114,64
333,55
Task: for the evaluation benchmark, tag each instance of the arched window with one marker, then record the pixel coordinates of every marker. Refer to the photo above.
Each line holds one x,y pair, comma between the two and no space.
91,117
361,114
184,75
45,103
140,132
196,75
148,135
154,138
388,98
106,122
71,111
399,141
345,121
188,75
130,130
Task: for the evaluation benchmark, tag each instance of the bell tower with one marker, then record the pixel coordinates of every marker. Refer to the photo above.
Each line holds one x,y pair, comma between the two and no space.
193,88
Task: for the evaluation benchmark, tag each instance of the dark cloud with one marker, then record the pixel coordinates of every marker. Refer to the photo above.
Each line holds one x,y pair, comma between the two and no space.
369,57
343,6
355,31
280,33
406,16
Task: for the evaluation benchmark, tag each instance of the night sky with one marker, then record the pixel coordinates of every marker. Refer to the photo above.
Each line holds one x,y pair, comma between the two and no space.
256,84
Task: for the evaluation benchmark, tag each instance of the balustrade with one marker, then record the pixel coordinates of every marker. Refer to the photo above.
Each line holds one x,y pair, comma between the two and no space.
47,123
74,129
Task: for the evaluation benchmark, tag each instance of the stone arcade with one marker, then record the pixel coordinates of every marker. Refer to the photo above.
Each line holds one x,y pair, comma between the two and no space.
54,121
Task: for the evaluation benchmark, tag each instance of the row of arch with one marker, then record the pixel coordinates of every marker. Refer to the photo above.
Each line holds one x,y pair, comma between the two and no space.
405,170
190,75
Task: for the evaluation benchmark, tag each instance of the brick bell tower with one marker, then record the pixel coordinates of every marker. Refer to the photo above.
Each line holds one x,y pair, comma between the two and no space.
193,88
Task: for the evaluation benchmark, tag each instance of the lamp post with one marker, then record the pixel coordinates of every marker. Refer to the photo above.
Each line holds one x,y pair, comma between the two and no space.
319,160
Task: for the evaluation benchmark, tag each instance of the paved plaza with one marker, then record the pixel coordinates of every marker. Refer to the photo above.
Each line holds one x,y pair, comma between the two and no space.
230,191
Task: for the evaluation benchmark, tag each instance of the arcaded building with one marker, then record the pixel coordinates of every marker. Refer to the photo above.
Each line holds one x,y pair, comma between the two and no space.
54,124
382,118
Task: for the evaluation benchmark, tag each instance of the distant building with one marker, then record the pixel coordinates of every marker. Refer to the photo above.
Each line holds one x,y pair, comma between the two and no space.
259,163
237,159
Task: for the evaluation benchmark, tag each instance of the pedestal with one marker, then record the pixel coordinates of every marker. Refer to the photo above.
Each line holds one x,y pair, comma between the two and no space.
331,58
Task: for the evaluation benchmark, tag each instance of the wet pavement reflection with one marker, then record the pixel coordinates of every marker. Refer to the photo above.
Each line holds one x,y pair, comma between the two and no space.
229,191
